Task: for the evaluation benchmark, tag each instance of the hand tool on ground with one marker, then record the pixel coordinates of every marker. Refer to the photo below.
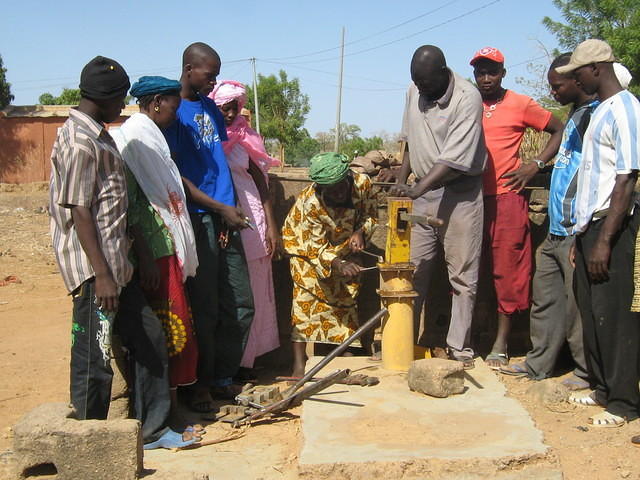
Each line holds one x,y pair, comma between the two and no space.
294,399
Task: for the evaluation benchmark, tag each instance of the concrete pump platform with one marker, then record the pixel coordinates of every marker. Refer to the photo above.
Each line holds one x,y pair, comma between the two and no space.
387,431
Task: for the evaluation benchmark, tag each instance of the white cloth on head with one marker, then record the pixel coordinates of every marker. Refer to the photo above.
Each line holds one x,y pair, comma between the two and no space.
622,74
146,153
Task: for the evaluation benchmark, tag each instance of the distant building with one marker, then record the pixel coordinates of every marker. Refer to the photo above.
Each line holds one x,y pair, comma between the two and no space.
27,134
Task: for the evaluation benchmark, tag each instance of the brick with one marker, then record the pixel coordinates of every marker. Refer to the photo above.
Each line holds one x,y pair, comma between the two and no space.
97,449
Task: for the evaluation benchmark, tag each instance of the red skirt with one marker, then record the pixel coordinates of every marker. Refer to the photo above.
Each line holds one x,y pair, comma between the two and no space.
170,304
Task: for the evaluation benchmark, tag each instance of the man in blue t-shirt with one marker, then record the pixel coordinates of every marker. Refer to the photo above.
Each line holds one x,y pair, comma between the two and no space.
220,293
554,313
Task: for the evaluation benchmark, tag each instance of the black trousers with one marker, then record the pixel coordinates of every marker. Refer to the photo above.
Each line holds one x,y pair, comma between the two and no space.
143,338
611,330
221,301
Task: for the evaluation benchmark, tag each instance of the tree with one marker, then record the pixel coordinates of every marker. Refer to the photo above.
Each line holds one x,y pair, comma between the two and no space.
283,108
301,152
615,21
351,143
5,87
69,96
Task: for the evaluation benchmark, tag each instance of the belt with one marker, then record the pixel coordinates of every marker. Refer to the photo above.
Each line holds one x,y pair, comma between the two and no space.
553,236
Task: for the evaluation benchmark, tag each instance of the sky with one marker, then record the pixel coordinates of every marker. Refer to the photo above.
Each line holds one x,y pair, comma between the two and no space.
45,44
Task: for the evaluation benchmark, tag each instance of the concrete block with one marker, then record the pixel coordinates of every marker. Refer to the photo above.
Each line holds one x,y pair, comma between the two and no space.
49,439
548,392
437,377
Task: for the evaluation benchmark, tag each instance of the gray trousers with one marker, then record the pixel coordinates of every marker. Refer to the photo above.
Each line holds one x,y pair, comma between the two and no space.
554,312
461,208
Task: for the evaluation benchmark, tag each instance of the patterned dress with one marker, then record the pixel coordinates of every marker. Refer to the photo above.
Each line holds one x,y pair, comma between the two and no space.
314,234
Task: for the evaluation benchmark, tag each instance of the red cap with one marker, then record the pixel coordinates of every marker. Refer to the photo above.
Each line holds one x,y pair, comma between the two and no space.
489,53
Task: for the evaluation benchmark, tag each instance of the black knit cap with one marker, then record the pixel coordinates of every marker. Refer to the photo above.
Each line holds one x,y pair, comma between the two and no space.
103,79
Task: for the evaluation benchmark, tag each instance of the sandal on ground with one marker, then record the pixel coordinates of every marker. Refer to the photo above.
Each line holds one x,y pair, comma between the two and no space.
467,362
501,358
201,402
195,428
588,400
574,383
228,392
245,375
169,439
606,419
635,440
515,369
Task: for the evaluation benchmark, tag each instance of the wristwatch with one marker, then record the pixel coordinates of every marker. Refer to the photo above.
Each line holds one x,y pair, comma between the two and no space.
539,163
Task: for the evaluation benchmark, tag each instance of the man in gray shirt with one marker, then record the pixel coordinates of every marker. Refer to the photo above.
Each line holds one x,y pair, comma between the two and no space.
442,125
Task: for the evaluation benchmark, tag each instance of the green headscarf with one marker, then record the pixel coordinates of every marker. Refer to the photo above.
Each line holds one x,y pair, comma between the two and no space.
329,168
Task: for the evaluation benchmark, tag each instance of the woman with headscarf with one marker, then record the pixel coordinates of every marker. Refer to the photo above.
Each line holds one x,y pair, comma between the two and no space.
164,247
331,219
249,163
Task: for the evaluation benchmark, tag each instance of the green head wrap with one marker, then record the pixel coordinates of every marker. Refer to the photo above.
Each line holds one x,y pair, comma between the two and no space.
329,168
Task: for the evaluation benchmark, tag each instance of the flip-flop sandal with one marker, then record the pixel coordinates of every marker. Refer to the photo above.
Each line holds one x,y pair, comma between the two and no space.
574,383
502,358
516,370
584,400
467,363
189,434
635,440
195,428
607,420
169,439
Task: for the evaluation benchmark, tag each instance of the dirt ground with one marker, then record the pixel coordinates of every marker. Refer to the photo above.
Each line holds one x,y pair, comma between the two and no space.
34,359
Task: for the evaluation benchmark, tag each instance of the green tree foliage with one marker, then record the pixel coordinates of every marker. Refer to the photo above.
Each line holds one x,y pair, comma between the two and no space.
5,87
615,21
301,152
69,96
351,143
283,108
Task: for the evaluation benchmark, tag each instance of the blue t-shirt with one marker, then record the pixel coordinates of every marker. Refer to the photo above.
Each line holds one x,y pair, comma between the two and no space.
564,179
195,140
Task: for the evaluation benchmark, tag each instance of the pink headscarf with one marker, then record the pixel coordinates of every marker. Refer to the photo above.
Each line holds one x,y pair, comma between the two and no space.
239,131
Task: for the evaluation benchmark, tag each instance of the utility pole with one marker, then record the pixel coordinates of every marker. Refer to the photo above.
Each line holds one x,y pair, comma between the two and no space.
337,141
255,94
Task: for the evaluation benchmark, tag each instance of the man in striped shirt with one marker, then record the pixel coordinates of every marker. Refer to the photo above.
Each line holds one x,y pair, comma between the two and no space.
554,315
88,204
607,221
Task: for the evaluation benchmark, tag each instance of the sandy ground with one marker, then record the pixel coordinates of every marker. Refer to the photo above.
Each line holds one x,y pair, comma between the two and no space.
34,358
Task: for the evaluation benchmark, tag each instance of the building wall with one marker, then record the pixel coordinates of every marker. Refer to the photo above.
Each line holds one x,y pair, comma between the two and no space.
25,147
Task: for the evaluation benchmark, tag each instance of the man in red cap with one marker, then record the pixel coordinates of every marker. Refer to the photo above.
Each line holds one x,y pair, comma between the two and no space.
507,240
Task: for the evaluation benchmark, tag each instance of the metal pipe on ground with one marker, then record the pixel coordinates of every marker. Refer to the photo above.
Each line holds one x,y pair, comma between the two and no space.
368,325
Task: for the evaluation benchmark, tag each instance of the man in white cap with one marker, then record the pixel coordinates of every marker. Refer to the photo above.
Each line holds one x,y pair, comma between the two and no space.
607,220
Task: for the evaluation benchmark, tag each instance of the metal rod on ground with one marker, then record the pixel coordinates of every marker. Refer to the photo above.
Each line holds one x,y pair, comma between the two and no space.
372,322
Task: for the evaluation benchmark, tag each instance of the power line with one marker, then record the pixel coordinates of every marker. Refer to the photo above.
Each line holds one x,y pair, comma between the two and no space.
294,65
462,15
353,42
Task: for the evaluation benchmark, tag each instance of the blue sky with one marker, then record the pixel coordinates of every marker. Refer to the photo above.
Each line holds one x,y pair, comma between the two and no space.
45,44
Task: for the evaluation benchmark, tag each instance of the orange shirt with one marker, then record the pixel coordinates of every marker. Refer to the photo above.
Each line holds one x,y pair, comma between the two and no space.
503,133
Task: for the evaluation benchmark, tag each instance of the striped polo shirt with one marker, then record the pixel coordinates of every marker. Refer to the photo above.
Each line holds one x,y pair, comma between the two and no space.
610,148
87,170
564,179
